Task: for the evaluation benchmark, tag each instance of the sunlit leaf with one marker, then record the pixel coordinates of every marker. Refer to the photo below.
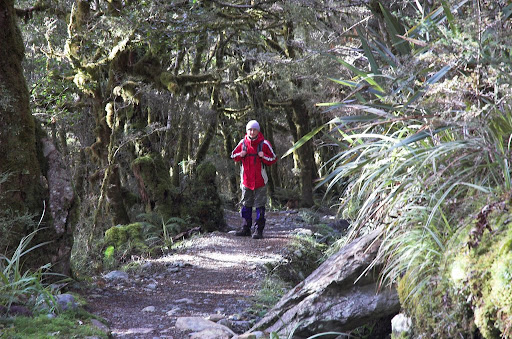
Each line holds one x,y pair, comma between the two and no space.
303,140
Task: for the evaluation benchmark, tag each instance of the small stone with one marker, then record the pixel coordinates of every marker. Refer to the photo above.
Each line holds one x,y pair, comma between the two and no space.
400,324
215,317
149,309
116,275
100,325
66,301
219,310
198,324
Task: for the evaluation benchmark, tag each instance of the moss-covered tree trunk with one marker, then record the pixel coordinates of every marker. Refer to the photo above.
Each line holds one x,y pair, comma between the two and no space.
22,192
305,152
24,168
228,147
89,78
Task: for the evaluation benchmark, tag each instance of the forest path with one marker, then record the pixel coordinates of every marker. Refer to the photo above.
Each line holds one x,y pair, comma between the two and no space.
217,273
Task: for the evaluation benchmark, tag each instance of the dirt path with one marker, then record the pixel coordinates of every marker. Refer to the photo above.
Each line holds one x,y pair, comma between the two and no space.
214,274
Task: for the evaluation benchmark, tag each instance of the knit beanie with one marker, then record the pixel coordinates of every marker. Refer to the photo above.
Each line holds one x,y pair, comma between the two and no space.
252,124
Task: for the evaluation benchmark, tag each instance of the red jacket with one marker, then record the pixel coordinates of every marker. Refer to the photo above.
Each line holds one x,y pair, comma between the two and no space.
253,172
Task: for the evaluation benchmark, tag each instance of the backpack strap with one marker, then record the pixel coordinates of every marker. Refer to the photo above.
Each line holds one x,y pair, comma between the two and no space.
260,147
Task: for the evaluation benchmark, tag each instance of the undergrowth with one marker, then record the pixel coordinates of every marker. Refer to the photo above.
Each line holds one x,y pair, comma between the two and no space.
271,291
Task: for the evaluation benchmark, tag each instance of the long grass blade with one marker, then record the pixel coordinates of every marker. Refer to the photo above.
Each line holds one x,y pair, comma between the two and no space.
395,29
302,141
368,52
449,17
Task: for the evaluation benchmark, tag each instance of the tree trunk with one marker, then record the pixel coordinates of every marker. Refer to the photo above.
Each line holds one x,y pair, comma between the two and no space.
22,192
22,187
181,149
228,147
206,141
272,171
305,152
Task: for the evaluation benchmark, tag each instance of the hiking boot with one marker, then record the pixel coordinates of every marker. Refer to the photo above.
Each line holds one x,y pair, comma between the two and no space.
260,225
245,231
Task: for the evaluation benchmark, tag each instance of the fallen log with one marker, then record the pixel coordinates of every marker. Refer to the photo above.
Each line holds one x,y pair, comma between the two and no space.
338,296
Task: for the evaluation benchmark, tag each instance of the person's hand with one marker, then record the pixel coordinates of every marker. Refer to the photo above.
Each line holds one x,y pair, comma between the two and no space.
243,154
260,154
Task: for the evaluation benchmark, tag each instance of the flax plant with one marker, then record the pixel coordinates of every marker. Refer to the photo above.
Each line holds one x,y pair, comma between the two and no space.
18,285
413,160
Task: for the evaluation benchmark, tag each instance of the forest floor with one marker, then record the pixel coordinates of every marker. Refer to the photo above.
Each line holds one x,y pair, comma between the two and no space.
213,274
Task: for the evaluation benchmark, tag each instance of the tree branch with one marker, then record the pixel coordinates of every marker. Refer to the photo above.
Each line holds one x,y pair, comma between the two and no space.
26,14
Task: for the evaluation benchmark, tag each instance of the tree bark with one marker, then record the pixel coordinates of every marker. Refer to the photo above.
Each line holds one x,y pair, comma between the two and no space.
26,170
228,147
305,153
23,191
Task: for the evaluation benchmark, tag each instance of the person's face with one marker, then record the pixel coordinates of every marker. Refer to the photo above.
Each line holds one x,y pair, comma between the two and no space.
253,132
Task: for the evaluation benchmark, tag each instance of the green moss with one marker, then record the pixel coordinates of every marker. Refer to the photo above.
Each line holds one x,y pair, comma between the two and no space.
484,276
403,335
168,80
471,293
128,91
270,292
125,237
66,325
206,173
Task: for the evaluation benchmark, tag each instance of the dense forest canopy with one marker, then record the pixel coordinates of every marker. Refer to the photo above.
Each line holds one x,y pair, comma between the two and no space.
396,113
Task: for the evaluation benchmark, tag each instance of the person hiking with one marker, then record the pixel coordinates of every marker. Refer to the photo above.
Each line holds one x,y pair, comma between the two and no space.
255,153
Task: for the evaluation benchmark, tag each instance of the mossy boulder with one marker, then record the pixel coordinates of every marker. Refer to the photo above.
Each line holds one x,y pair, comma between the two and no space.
486,270
126,237
471,295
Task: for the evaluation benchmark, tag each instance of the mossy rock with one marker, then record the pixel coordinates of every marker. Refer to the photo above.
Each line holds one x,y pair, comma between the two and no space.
471,295
126,236
490,277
